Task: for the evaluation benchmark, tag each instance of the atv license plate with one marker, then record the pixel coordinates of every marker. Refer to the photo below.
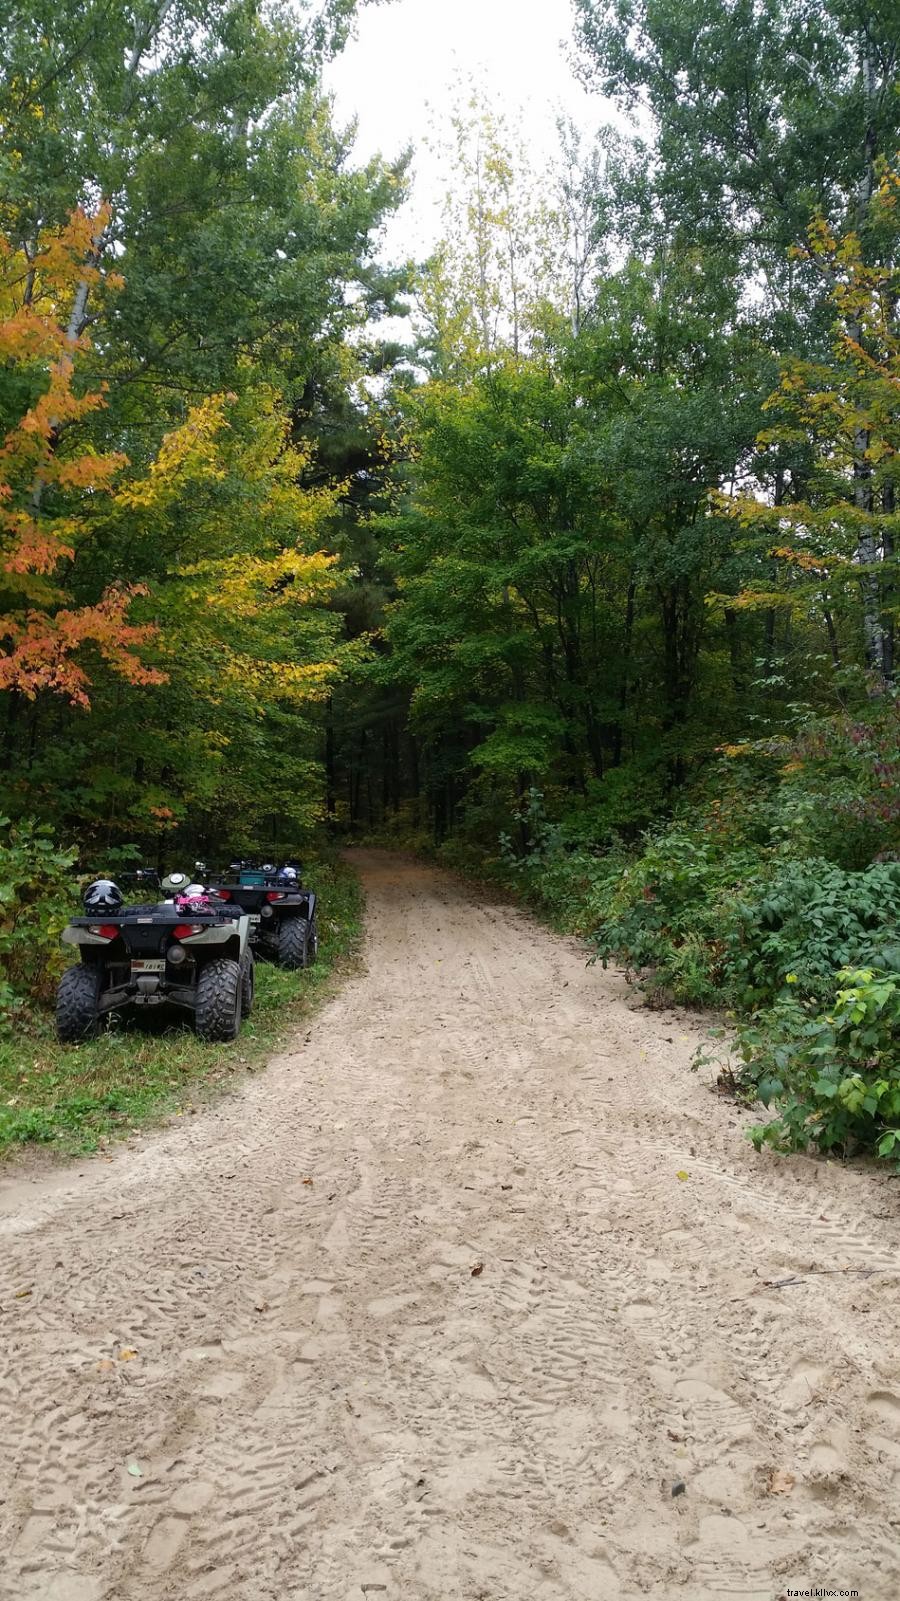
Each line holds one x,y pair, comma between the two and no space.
154,966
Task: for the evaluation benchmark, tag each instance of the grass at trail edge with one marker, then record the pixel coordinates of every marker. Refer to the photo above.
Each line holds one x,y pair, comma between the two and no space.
76,1098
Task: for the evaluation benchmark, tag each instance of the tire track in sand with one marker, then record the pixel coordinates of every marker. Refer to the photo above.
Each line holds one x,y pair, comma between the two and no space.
327,1403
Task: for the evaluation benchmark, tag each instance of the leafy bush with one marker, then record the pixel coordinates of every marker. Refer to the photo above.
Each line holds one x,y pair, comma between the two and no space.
670,907
832,1076
803,922
723,922
774,892
839,792
566,878
36,901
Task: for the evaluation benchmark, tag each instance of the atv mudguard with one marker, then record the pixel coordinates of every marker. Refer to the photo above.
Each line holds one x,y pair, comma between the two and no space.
232,935
302,903
73,935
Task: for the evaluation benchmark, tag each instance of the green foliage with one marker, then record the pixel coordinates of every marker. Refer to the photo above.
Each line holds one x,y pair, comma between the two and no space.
668,909
839,792
735,894
36,902
553,556
802,922
241,235
832,1075
763,111
567,878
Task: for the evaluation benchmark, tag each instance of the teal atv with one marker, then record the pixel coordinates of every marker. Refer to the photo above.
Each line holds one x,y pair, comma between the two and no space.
282,910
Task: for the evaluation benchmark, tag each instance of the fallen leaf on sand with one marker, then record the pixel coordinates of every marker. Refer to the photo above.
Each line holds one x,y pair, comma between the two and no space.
21,1294
780,1482
105,1365
127,1353
682,1175
477,1270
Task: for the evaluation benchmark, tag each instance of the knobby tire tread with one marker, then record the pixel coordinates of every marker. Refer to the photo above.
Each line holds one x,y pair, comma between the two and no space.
217,1017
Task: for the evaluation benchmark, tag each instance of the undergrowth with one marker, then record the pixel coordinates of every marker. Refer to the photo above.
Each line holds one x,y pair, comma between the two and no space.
772,894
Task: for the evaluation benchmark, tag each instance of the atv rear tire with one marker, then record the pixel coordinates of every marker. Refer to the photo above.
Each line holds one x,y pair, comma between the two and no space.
217,1010
78,1003
293,943
248,983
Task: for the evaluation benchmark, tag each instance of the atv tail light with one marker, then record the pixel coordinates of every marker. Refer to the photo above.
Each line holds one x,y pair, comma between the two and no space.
275,895
185,930
105,930
221,894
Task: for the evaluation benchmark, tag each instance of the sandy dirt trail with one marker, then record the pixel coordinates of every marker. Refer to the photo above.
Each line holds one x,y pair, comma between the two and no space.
330,1402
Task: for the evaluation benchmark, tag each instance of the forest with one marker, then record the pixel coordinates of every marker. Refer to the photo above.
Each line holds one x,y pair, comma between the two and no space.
588,587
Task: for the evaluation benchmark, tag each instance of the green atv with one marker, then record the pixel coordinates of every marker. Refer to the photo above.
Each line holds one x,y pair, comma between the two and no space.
192,952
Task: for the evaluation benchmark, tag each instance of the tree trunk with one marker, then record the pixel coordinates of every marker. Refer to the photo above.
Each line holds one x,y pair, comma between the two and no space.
867,547
887,639
738,680
832,639
624,686
330,796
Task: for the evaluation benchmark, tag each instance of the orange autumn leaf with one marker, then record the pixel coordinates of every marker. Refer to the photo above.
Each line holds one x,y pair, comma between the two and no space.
46,478
43,647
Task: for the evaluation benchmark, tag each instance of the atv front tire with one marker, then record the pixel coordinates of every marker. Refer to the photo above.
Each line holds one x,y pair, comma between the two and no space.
293,943
78,1003
218,1005
248,983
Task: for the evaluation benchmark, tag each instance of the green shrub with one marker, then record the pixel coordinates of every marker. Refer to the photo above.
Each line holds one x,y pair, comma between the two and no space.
722,922
669,910
809,919
832,1076
36,901
839,792
568,880
774,892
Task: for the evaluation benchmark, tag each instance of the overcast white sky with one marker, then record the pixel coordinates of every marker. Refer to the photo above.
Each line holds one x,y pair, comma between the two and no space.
400,78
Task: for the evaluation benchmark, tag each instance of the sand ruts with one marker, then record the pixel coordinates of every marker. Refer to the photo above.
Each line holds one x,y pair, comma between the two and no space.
326,1403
